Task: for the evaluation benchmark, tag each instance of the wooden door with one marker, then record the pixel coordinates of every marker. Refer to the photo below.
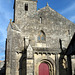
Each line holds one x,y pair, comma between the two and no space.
43,69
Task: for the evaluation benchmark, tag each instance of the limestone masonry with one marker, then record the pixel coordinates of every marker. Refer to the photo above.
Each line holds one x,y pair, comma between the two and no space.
34,38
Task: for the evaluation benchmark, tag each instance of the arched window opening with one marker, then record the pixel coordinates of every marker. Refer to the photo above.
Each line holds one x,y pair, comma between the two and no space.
26,7
40,19
41,36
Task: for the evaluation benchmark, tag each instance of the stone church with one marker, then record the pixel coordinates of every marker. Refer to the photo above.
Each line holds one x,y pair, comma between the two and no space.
37,41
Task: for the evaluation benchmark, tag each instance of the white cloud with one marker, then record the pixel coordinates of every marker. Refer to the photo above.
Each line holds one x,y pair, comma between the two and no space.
68,9
5,14
3,34
2,50
69,12
2,57
72,18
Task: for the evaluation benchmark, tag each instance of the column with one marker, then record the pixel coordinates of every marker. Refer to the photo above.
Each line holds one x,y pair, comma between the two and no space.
57,64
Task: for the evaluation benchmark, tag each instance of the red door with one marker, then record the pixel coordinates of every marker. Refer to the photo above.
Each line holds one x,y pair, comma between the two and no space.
43,69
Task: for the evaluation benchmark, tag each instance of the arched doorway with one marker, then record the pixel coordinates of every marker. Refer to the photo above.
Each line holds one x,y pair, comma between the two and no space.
48,62
43,69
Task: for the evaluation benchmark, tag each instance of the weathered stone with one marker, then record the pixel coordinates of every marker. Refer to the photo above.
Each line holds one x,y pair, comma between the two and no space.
27,48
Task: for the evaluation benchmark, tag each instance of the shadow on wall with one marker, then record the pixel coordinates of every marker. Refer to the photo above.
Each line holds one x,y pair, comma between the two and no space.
62,65
22,62
62,61
65,67
2,70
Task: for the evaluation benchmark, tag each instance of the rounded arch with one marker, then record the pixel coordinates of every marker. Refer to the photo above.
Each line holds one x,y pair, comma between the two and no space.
41,36
49,61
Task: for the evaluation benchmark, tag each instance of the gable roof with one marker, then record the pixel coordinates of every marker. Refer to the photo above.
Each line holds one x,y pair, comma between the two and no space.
51,13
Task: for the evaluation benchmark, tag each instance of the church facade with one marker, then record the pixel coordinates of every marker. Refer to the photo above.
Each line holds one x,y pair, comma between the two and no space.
37,41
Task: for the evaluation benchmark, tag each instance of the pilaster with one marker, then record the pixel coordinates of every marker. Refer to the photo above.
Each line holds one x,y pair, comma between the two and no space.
57,64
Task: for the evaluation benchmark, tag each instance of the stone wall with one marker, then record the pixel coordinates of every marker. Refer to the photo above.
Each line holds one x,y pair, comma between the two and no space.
25,31
73,64
20,12
2,64
53,25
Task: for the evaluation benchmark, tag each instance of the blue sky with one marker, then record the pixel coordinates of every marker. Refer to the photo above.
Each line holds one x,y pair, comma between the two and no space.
64,7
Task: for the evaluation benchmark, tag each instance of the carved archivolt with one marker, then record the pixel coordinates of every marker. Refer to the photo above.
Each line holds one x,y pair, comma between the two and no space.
49,62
